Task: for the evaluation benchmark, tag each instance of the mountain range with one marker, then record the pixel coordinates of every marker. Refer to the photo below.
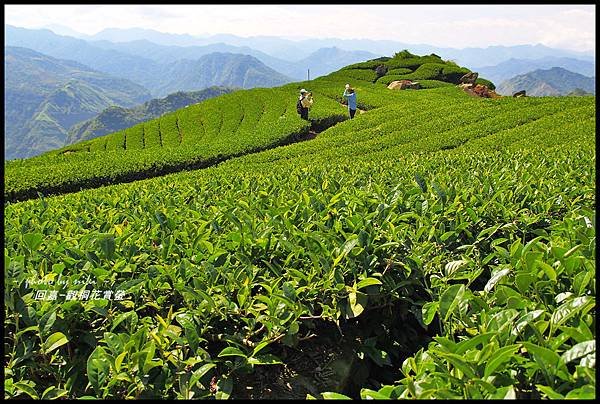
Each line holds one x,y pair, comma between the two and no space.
44,96
148,63
295,50
514,67
220,69
289,57
550,82
320,62
115,118
163,76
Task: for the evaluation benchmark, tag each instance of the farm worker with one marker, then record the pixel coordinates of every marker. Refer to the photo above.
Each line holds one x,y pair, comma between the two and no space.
350,95
304,103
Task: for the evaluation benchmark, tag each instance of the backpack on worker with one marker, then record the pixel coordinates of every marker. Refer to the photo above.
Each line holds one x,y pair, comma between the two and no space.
299,105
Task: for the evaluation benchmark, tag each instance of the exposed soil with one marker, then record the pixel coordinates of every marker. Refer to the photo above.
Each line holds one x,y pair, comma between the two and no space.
332,359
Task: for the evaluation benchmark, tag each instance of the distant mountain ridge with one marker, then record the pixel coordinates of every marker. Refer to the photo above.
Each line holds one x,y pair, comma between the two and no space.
282,54
551,82
326,60
221,69
147,63
321,62
514,67
296,50
158,77
199,62
116,118
44,96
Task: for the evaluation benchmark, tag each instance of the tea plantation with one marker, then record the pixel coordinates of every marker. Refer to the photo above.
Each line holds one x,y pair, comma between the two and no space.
437,246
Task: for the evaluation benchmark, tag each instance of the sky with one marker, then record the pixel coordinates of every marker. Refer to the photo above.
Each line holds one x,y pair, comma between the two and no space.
569,27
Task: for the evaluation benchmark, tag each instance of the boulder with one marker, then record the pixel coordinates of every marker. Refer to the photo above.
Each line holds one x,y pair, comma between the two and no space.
479,90
469,78
381,70
404,84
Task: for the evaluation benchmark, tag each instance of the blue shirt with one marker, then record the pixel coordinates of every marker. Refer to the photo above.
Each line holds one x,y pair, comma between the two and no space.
351,99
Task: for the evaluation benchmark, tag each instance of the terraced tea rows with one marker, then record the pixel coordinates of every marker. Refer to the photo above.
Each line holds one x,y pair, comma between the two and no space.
196,136
212,131
421,230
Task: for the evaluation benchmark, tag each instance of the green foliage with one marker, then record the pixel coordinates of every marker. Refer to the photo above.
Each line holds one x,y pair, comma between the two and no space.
115,118
474,216
399,71
411,62
405,54
368,65
199,135
485,82
46,96
434,84
360,74
437,71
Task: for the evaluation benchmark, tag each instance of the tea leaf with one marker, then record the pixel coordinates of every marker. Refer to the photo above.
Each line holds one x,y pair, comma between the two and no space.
55,341
502,355
495,279
231,351
579,350
450,299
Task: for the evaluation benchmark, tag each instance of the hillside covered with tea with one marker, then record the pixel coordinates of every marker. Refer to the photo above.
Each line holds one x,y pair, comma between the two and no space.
437,246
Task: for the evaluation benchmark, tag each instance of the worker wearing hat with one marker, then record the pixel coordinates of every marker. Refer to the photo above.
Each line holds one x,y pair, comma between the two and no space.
305,101
350,96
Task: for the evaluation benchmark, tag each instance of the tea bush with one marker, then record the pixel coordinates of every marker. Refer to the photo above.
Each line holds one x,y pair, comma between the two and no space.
473,218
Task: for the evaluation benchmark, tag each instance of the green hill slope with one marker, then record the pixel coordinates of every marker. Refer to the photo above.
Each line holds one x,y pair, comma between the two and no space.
116,118
214,130
45,96
437,246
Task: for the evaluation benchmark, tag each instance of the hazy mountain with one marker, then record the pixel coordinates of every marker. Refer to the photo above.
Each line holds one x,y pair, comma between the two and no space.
280,54
493,55
273,46
44,96
159,76
164,54
327,60
143,71
578,92
514,67
551,82
221,69
294,50
63,30
136,34
320,62
115,118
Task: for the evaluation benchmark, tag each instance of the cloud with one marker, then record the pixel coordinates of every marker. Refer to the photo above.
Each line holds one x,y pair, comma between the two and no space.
570,27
